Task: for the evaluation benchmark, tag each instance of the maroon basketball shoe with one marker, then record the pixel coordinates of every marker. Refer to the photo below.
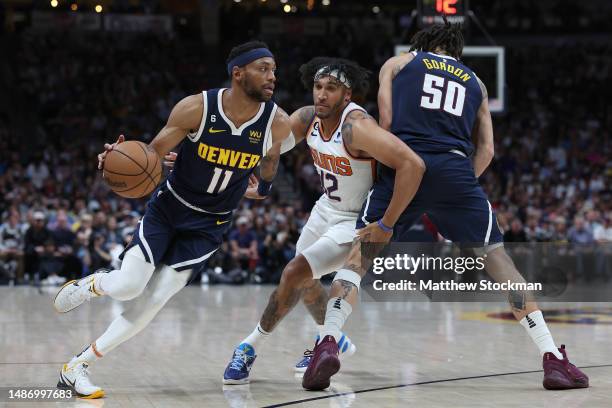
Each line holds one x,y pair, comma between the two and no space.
323,365
561,374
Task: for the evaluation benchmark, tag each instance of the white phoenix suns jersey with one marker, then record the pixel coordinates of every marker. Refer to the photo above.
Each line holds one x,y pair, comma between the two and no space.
345,179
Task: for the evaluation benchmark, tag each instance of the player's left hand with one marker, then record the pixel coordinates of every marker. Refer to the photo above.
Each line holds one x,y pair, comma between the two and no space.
251,191
169,159
373,233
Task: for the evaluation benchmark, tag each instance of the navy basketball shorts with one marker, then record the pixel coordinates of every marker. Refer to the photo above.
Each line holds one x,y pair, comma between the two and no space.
450,196
173,234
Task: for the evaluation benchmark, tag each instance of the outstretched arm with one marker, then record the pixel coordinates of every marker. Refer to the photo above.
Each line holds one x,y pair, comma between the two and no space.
300,121
482,135
281,128
360,132
388,72
185,117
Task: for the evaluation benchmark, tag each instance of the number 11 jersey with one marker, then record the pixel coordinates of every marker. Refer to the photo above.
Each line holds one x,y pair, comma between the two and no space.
435,102
212,169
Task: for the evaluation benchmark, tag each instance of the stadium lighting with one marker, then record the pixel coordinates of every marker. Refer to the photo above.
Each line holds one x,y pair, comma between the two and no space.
294,9
98,8
287,8
375,9
325,2
284,1
54,3
74,7
237,1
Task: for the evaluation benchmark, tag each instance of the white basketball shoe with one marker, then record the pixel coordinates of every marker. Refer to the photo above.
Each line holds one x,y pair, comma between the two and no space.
75,292
75,377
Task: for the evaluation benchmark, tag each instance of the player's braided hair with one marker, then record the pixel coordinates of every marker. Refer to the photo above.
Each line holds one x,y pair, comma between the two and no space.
242,48
357,75
446,36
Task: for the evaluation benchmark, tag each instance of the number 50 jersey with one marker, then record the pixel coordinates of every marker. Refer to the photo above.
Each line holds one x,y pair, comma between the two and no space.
212,169
435,102
345,180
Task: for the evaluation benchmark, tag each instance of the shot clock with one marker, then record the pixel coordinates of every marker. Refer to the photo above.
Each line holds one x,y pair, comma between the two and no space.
432,11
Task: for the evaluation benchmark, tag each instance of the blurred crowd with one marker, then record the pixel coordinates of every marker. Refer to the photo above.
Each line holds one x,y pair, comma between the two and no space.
549,180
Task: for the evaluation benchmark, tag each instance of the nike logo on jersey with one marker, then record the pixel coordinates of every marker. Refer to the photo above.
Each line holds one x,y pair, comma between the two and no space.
211,130
221,222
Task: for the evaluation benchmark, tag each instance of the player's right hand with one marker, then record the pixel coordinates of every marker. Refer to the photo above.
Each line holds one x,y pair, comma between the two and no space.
107,148
169,159
251,191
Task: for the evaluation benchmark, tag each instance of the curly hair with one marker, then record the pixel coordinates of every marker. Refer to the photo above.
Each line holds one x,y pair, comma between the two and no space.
446,36
357,75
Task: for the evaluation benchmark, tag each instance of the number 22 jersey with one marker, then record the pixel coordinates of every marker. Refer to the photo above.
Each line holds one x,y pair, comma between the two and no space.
345,180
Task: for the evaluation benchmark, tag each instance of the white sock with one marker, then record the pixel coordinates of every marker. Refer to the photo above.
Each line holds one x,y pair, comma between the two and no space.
89,355
538,331
256,336
338,310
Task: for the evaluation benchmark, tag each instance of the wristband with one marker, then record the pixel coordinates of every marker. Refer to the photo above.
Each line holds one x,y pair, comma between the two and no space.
264,187
384,227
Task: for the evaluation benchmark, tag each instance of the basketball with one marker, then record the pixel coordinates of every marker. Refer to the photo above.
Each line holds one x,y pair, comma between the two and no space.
132,169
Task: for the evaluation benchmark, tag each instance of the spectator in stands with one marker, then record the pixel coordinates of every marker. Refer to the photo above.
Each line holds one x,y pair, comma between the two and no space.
11,247
51,264
64,239
243,244
35,239
516,232
580,233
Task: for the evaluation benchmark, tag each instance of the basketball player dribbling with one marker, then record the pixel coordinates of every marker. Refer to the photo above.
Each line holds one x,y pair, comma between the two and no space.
437,106
346,169
189,212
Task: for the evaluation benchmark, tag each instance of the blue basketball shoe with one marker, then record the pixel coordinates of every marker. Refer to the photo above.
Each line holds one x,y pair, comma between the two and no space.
237,371
345,346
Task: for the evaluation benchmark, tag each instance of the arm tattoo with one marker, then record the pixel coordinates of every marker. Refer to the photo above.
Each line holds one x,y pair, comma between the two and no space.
269,166
347,126
347,132
306,115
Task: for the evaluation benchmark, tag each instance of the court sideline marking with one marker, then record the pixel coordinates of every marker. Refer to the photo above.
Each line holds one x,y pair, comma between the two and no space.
389,387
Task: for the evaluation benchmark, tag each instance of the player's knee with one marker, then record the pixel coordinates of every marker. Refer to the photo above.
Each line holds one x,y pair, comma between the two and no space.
297,272
130,289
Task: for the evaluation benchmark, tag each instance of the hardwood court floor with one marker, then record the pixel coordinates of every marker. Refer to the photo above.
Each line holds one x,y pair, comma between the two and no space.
408,354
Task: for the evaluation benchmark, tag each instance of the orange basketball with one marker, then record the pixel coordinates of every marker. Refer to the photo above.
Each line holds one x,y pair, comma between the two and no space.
132,169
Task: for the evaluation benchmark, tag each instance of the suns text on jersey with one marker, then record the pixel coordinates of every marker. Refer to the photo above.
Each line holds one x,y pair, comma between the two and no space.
228,157
336,164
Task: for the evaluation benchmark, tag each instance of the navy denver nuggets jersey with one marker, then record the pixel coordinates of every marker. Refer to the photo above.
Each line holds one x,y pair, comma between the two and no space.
435,102
212,170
